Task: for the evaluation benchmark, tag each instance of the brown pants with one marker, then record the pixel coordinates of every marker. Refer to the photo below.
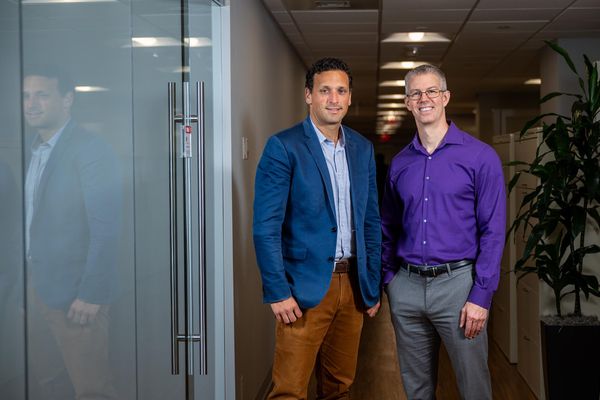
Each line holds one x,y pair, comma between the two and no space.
57,345
327,335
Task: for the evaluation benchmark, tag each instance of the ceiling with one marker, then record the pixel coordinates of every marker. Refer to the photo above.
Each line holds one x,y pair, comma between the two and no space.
492,45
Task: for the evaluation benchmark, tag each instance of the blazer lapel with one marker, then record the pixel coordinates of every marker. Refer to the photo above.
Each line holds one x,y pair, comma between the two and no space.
314,147
55,157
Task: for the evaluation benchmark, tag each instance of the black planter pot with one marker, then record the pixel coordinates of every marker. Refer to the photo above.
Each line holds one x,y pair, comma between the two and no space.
570,355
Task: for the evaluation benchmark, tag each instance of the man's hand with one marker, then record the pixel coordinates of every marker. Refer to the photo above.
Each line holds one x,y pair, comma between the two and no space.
82,313
286,311
472,318
371,312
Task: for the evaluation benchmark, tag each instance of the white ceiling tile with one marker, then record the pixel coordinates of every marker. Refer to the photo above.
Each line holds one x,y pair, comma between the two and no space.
427,4
337,28
443,27
587,3
538,14
424,15
350,37
337,17
517,4
504,27
283,17
274,5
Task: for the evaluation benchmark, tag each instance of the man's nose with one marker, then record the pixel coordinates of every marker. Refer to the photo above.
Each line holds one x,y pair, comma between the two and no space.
334,97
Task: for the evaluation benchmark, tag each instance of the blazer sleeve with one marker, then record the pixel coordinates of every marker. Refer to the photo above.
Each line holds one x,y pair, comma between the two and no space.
271,191
373,229
101,188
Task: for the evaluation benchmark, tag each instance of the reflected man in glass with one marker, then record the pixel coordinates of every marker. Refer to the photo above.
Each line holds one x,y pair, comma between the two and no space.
72,203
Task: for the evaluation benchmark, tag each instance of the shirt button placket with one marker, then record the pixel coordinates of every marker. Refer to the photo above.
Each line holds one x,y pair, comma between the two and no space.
426,184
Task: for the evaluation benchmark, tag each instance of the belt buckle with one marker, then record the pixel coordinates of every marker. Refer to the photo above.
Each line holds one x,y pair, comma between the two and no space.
434,271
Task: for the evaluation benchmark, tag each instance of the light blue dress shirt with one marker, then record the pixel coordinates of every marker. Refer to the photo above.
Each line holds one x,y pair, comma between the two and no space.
40,153
335,156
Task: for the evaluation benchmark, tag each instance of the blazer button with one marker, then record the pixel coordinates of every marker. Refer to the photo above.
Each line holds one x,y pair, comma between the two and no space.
334,229
330,259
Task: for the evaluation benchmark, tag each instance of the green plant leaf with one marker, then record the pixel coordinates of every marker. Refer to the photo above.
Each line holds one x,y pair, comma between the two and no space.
563,53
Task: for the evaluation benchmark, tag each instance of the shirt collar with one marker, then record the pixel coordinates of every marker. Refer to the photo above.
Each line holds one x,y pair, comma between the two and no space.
322,137
452,136
50,143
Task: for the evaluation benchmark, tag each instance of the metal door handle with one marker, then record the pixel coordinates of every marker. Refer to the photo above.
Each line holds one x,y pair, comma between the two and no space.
174,292
201,226
184,145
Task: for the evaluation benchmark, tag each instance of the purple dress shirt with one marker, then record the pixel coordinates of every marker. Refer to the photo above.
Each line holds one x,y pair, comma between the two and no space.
446,206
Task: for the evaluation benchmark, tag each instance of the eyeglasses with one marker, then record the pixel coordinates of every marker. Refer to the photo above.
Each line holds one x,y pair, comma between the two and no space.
431,93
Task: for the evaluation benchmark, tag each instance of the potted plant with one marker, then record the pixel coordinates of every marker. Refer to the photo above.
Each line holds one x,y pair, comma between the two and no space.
557,217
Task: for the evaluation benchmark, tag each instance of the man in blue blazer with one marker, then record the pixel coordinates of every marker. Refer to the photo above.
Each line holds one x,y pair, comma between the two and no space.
317,238
72,203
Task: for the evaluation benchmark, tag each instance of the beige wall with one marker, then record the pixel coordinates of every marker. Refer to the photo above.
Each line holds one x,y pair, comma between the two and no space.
266,96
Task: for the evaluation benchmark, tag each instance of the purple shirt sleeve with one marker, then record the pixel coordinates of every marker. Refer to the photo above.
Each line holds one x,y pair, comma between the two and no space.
490,210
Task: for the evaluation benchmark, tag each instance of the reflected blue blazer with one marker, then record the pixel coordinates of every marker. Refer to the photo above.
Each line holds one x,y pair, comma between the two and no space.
294,217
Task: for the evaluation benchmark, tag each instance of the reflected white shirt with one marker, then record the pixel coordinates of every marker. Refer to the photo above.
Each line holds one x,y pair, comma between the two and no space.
40,153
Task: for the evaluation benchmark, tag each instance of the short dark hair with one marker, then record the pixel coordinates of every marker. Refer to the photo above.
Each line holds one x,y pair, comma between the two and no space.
65,83
326,64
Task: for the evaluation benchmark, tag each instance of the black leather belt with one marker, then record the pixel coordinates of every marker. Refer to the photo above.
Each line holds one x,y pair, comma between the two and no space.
431,271
344,265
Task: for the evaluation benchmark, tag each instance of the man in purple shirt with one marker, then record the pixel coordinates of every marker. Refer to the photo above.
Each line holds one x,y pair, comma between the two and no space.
443,222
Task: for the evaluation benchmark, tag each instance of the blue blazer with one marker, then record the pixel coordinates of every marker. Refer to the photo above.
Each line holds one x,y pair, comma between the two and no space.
294,217
75,225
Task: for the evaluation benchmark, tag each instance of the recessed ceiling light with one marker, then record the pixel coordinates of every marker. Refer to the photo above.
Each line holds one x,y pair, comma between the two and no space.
392,113
332,4
165,41
89,89
399,82
534,81
391,105
198,42
416,36
391,96
402,64
412,37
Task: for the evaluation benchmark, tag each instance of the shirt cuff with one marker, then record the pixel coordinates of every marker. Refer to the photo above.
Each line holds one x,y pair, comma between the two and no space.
481,297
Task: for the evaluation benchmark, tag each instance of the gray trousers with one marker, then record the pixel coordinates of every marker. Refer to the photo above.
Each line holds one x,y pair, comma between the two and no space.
425,310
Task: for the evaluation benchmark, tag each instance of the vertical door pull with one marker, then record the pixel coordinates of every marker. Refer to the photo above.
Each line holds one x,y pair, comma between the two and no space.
201,226
173,120
182,144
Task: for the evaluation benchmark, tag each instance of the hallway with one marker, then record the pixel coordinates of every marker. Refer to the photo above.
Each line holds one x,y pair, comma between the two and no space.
378,374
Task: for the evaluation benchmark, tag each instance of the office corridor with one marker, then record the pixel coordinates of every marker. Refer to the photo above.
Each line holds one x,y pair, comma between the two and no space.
378,374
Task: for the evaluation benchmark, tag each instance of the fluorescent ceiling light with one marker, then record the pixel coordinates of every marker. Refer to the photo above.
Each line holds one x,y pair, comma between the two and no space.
391,105
402,64
534,81
410,37
65,1
391,96
150,41
392,83
89,89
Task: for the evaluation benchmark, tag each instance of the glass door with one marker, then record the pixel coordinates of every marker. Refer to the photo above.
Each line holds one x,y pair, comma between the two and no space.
108,180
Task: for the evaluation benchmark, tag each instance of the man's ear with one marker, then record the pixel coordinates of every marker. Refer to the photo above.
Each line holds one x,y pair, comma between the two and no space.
307,96
68,100
446,97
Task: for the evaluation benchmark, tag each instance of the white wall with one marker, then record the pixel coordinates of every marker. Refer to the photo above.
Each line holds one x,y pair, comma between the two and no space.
267,86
